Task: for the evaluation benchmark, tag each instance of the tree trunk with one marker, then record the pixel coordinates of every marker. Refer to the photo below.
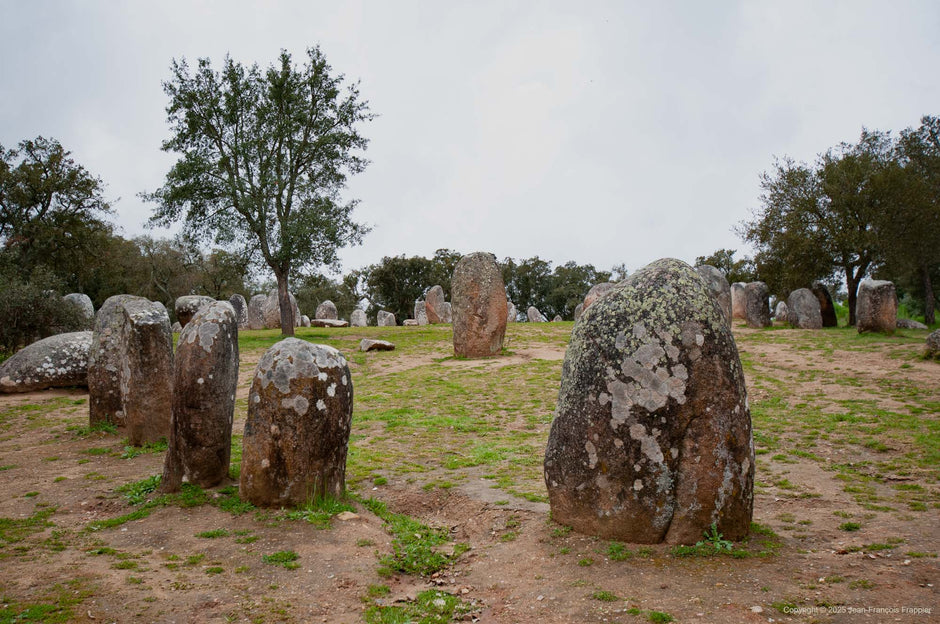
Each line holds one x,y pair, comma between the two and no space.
852,284
928,296
283,300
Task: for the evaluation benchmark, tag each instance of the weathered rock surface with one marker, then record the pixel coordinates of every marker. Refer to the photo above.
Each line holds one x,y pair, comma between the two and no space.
367,344
478,297
297,432
256,312
304,320
326,310
826,308
719,287
147,371
421,314
385,319
578,310
204,381
511,312
738,301
105,366
557,319
652,439
271,310
910,324
447,313
357,318
434,305
54,362
876,309
803,310
757,305
409,323
83,303
933,345
781,311
534,316
187,305
241,310
328,323
176,327
596,292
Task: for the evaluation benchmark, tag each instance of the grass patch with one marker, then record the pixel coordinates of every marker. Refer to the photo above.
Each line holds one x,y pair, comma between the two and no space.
429,607
214,534
284,558
320,512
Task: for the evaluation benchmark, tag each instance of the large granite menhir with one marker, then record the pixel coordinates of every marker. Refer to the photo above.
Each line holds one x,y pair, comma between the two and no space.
478,300
204,380
187,305
434,305
757,305
803,311
105,368
876,309
147,371
719,287
241,310
53,362
256,312
297,432
652,440
826,308
738,301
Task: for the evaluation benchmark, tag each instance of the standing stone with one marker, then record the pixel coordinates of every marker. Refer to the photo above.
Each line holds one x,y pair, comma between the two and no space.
534,316
597,291
757,305
434,305
385,319
357,318
511,312
54,362
204,382
147,371
271,310
738,301
652,438
241,310
304,320
719,287
826,308
932,350
176,327
876,309
187,305
478,296
557,319
781,311
256,312
84,305
421,314
803,310
105,368
578,310
326,310
297,432
447,313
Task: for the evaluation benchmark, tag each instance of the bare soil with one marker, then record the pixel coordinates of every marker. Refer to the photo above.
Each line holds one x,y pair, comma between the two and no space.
521,567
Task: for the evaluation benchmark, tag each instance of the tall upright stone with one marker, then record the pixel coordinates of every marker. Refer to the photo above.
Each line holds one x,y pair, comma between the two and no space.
781,311
757,305
271,310
105,367
187,305
357,318
447,313
326,310
84,305
738,301
826,307
651,440
241,310
719,287
511,312
803,310
204,382
421,314
147,371
596,292
876,309
534,316
478,298
434,305
297,432
578,310
256,312
385,318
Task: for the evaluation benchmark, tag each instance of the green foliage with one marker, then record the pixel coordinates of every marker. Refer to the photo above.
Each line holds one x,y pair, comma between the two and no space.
12,530
850,526
605,596
284,558
742,270
320,512
532,282
264,157
413,544
150,447
396,282
617,551
54,606
429,607
659,617
30,310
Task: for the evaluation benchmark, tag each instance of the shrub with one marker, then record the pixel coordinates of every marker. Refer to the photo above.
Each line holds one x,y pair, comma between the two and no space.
32,310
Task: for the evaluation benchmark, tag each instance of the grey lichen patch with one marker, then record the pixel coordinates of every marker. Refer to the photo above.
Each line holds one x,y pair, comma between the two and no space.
292,359
298,403
207,323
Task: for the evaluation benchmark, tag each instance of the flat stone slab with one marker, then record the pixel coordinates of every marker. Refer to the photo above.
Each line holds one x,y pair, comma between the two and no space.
328,323
376,345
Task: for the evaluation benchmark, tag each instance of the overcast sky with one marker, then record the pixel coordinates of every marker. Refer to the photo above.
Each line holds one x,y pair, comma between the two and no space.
600,132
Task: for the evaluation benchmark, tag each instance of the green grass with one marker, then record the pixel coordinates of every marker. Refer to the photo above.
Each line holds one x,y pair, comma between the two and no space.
320,512
284,558
55,605
429,607
214,533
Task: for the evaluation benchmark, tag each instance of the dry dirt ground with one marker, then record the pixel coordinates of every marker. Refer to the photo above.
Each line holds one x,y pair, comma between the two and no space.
520,567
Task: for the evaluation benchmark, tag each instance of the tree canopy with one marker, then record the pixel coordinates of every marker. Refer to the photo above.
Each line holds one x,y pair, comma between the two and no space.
264,158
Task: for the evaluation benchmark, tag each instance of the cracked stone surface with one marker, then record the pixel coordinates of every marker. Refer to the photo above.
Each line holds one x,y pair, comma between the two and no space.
652,440
53,362
478,301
